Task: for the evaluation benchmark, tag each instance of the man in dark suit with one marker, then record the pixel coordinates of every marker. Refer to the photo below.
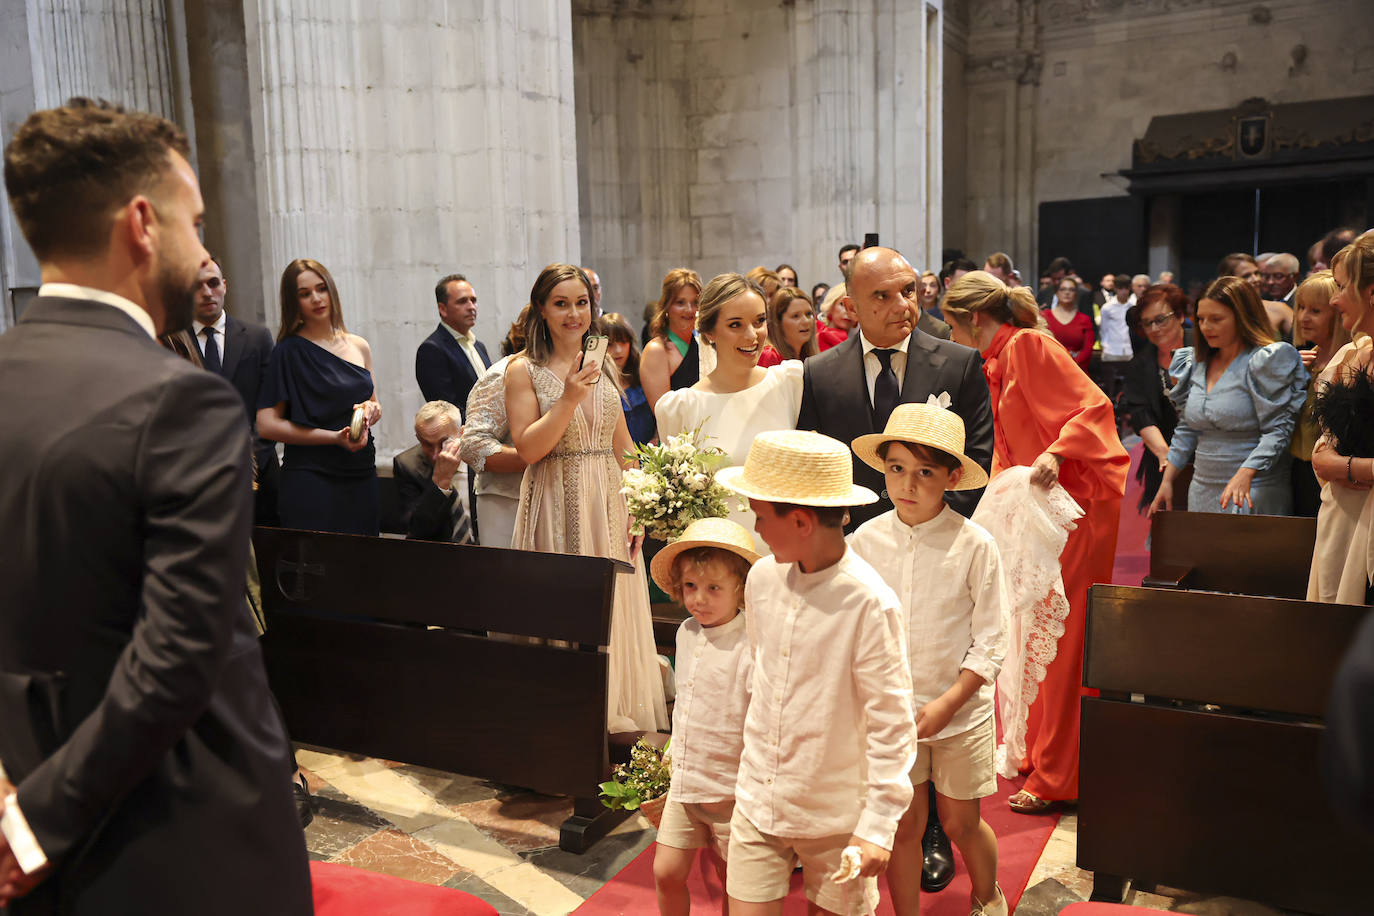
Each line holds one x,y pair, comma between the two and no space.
135,719
452,359
238,350
850,390
430,478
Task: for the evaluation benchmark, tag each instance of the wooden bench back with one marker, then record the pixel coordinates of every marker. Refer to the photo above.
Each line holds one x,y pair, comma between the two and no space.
1243,554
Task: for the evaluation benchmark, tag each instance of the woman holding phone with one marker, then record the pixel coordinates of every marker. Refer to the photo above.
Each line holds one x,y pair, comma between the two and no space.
566,423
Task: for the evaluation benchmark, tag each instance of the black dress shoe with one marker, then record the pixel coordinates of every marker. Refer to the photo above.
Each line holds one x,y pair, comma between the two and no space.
305,809
939,858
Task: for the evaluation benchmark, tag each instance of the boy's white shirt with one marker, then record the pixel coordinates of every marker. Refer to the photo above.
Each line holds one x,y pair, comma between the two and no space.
714,665
829,739
1116,336
947,574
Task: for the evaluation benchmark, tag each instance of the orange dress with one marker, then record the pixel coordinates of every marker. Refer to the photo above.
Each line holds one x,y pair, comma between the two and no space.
1042,401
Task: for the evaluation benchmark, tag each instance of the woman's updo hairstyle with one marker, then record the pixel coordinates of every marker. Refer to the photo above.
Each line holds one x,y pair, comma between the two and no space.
719,291
980,291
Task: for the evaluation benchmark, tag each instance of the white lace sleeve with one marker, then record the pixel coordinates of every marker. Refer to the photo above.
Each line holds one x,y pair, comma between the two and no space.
487,428
1031,526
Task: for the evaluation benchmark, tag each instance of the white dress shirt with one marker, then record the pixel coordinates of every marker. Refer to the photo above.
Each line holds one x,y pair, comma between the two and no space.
1116,336
72,291
948,575
220,324
829,739
468,344
873,365
713,670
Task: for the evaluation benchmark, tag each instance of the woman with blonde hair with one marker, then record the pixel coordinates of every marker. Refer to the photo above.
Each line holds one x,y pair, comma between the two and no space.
318,376
1238,396
1343,458
567,425
1318,334
1050,417
738,399
766,280
791,327
671,359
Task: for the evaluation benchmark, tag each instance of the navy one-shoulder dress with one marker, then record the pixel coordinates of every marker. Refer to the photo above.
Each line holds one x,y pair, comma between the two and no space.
323,487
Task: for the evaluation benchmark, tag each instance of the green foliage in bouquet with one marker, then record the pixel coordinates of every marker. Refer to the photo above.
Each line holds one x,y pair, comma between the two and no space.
674,485
643,779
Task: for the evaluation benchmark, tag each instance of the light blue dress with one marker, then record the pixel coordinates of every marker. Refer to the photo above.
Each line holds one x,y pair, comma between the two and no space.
1246,420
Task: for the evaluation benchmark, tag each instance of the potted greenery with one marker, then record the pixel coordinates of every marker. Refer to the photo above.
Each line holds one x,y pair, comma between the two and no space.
642,784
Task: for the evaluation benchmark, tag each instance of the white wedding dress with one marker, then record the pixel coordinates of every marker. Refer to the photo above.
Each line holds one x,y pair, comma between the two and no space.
733,420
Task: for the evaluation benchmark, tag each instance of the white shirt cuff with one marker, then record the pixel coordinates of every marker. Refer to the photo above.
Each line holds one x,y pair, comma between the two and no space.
22,842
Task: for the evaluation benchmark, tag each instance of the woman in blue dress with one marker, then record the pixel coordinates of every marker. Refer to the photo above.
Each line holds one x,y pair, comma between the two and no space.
624,352
1238,396
319,374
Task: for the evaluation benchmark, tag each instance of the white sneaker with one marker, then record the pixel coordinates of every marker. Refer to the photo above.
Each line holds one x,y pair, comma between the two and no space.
997,907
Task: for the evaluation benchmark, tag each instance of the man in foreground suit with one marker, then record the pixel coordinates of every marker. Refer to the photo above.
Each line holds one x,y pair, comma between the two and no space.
238,350
450,360
135,719
431,479
849,390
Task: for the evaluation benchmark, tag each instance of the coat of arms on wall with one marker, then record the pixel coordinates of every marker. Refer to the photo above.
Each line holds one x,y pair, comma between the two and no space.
1252,136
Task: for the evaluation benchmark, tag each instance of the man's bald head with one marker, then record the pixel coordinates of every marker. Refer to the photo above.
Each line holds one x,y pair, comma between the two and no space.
883,293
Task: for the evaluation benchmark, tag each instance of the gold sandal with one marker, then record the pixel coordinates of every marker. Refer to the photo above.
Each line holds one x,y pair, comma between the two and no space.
1024,802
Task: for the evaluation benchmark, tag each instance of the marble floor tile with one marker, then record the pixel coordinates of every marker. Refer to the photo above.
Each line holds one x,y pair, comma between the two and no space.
533,889
585,874
520,822
464,789
392,852
1045,898
471,884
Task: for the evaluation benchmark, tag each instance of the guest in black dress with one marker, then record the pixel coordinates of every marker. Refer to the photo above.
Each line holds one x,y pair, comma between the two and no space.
670,359
1159,316
318,375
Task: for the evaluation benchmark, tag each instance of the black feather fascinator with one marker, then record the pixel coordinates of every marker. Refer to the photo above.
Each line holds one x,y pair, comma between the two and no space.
1344,409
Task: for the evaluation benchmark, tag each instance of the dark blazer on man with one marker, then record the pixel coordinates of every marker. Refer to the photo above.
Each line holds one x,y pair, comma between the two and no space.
135,719
443,369
427,511
932,325
835,402
247,348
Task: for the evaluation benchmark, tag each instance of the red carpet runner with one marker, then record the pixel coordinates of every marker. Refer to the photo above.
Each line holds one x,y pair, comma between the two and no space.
1020,840
343,891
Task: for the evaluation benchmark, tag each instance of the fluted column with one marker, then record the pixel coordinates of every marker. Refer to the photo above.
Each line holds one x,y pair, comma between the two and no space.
397,143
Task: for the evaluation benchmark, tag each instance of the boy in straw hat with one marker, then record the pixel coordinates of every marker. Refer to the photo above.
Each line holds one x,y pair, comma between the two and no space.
828,739
948,573
705,570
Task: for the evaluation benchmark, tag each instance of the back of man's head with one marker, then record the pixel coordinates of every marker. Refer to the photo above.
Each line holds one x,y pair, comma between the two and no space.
69,170
954,267
1334,241
1059,266
1228,265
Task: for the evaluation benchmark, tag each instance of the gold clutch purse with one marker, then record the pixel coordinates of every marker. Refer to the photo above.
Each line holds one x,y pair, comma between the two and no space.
355,428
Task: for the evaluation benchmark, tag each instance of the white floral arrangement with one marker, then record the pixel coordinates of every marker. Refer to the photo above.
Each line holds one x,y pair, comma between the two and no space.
674,485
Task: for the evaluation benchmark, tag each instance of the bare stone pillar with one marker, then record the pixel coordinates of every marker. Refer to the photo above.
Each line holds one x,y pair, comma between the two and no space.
396,143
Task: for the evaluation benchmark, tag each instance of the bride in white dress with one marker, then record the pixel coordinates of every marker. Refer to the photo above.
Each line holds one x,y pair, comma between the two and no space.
737,400
567,424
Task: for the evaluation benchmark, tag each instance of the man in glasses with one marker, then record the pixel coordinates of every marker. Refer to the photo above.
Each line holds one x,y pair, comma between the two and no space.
238,351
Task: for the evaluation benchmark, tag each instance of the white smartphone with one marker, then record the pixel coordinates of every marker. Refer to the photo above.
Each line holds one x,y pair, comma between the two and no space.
593,350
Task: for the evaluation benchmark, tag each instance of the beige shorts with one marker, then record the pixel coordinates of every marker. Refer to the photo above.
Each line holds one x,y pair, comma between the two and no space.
963,766
761,867
694,825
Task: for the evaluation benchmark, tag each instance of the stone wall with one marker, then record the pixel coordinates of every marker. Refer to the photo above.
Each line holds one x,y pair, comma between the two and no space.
722,135
396,143
1058,91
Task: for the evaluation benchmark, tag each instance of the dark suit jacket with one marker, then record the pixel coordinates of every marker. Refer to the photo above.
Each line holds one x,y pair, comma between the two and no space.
835,402
443,370
247,348
932,325
135,717
426,510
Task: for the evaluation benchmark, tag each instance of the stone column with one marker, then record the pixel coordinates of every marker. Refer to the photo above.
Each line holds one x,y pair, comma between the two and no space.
396,143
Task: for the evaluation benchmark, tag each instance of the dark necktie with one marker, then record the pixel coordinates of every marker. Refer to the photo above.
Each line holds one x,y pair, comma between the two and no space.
211,358
886,391
461,533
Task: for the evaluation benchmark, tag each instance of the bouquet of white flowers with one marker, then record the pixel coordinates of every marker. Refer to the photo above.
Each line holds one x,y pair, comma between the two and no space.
674,485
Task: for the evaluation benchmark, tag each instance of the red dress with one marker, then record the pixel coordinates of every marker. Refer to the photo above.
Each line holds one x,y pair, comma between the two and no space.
1076,336
768,356
827,337
1041,402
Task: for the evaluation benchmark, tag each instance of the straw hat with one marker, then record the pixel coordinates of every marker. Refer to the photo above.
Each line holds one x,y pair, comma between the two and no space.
929,425
720,533
794,466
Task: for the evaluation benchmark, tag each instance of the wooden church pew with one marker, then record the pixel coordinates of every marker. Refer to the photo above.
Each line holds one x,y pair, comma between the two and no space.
356,667
1243,554
1225,797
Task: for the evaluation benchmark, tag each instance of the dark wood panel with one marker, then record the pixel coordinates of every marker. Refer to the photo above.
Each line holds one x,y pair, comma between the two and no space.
1244,554
1231,650
1215,803
550,595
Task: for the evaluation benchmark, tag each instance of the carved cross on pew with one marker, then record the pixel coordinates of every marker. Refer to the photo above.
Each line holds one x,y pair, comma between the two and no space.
301,570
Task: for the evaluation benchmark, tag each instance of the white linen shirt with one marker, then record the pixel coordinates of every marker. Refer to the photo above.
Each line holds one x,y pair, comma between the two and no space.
713,670
1116,336
829,740
468,344
948,575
